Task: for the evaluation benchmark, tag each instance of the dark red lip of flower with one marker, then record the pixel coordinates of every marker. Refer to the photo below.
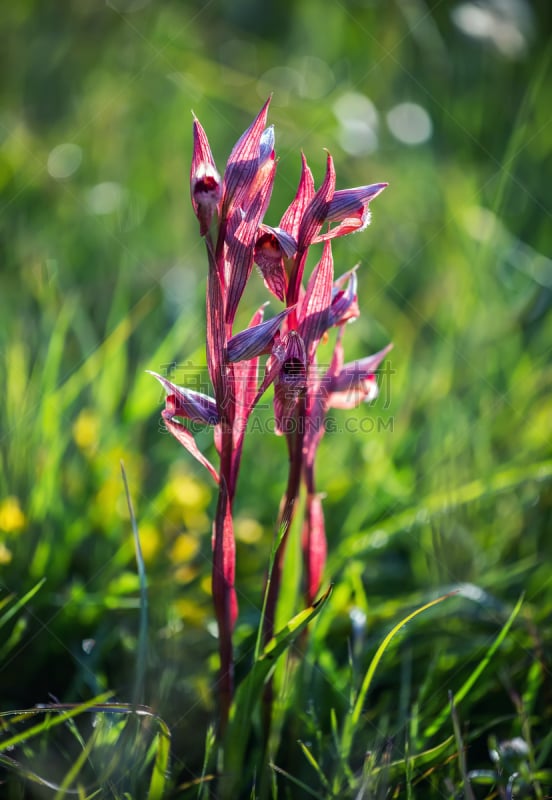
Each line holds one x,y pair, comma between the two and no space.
205,182
272,248
205,187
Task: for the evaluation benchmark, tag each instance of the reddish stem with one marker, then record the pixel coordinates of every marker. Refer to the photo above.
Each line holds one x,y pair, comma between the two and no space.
224,595
285,517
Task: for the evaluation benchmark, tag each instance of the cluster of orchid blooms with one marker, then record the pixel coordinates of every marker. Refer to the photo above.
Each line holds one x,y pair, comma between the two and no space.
230,211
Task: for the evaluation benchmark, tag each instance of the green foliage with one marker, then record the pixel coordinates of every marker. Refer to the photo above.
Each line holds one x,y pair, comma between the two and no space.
443,485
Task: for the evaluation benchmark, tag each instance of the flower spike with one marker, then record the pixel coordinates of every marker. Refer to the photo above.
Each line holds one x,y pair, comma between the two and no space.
231,210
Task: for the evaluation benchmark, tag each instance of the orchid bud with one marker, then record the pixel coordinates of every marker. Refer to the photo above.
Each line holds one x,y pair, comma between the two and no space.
205,182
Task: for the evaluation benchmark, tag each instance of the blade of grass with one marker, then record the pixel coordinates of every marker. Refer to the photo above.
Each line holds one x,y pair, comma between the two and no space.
76,767
418,760
159,776
42,727
5,618
438,722
352,719
466,785
296,782
249,693
141,653
316,766
14,638
277,540
436,504
210,741
23,772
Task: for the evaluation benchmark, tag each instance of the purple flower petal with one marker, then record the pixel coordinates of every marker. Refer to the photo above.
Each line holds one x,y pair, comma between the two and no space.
187,440
240,246
317,211
311,222
344,306
291,220
192,405
356,381
314,313
350,208
243,162
256,340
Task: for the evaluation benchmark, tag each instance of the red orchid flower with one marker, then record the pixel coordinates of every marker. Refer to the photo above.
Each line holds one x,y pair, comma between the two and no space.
230,211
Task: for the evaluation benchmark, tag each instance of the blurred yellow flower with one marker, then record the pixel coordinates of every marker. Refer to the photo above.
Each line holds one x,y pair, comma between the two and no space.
248,530
185,573
86,429
189,611
196,520
189,492
150,541
184,548
5,554
12,518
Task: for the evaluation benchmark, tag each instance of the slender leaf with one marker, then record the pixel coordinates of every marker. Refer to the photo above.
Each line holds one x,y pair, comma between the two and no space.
352,720
439,720
250,691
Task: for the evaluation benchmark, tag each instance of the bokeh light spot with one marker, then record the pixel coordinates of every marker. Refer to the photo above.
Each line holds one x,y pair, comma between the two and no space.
104,198
64,160
410,123
507,24
358,120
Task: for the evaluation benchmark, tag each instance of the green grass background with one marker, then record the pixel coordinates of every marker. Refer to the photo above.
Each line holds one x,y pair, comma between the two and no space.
448,484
